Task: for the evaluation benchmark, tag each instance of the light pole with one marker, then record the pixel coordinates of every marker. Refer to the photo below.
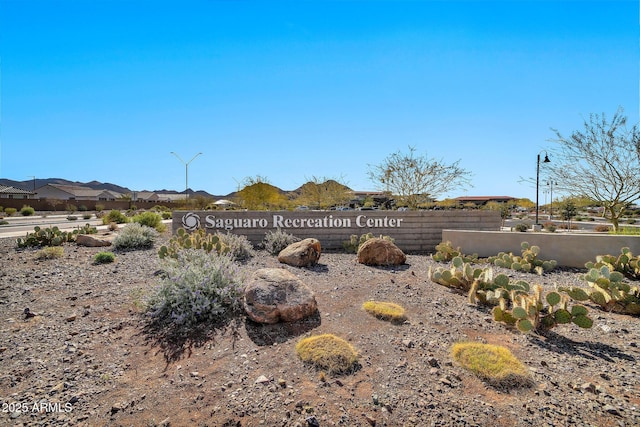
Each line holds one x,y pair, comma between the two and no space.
546,160
186,173
551,184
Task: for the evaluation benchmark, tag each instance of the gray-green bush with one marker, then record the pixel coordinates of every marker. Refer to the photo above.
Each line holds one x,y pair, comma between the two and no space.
135,236
275,241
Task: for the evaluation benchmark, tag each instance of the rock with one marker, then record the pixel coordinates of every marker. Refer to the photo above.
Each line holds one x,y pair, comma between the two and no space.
301,254
378,251
94,240
262,380
275,295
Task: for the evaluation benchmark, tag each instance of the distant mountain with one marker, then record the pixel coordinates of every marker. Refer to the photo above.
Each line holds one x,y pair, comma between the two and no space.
30,184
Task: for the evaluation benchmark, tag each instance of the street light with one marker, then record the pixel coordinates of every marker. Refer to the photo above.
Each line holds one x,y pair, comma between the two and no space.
551,184
546,160
186,173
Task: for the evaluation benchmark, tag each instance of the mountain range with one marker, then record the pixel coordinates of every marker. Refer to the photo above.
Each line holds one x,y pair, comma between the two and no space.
32,184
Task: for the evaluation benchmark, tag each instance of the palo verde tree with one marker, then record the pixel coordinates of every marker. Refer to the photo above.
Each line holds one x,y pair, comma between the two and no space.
258,195
323,193
600,162
413,178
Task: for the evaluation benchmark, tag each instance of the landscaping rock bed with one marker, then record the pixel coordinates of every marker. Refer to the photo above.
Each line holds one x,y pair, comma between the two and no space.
83,356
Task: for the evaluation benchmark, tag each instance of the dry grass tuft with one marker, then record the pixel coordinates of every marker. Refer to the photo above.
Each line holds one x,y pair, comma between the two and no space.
492,363
327,352
385,311
50,252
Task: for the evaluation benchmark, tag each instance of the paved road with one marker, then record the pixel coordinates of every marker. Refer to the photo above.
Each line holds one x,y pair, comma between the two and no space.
20,226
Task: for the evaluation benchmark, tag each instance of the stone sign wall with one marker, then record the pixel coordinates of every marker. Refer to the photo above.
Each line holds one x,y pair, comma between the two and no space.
418,231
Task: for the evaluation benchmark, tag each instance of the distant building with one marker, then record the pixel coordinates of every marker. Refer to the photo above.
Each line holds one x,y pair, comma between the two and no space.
14,193
483,200
76,192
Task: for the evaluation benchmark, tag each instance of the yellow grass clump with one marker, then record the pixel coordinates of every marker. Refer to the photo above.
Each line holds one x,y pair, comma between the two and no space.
50,252
385,310
327,352
492,363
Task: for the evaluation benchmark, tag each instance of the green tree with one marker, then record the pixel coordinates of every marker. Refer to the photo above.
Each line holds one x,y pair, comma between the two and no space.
411,178
258,195
600,162
568,211
322,193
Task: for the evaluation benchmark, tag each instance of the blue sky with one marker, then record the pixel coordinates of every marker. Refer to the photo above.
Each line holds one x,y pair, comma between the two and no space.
291,90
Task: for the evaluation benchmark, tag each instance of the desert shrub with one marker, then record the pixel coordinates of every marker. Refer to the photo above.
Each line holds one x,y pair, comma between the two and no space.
385,310
239,247
27,211
492,363
135,236
10,211
115,216
275,241
521,227
602,228
113,226
197,287
550,227
50,252
327,352
3,222
104,258
166,215
71,208
82,208
72,218
99,207
150,219
87,216
1,209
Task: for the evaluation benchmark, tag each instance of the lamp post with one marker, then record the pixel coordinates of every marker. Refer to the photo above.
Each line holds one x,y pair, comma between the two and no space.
186,173
551,184
546,160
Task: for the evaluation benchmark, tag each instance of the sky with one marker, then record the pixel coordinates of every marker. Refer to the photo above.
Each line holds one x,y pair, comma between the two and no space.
293,91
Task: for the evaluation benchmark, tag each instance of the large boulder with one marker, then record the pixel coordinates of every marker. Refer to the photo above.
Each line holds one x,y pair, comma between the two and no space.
94,240
276,295
301,254
379,251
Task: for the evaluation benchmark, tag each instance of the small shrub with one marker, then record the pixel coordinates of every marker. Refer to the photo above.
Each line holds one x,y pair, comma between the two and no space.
197,287
10,211
72,218
276,241
521,227
602,228
82,208
99,208
150,219
550,227
27,211
50,252
71,208
166,215
104,258
86,216
113,226
237,246
135,236
492,363
115,216
328,352
3,222
385,311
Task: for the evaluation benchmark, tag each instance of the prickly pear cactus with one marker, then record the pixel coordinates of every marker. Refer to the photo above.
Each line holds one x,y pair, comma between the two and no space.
527,262
460,276
626,263
539,312
199,239
445,252
608,289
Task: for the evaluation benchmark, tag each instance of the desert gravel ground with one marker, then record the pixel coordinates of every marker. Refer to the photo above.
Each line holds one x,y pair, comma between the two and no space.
87,359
